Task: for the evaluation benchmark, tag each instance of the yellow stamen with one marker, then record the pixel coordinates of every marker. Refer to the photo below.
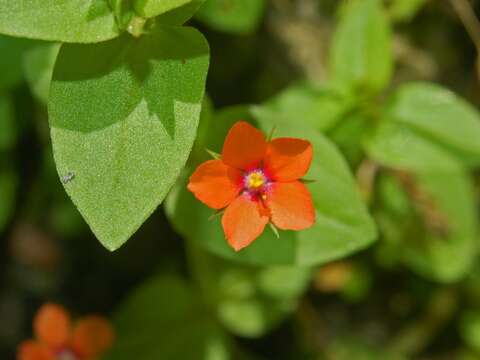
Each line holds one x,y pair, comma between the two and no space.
255,180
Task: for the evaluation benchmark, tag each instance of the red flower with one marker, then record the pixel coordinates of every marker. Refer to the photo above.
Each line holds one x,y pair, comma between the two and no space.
57,339
257,182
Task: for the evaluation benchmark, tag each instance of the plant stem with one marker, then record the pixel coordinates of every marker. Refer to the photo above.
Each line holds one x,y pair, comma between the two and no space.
465,12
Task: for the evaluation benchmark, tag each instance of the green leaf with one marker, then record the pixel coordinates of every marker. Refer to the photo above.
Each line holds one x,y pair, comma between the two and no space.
322,108
8,128
283,282
396,145
405,10
123,11
361,55
8,186
12,51
447,252
349,135
343,224
152,8
254,301
179,15
353,346
470,329
441,116
233,16
163,319
128,142
447,257
58,20
39,62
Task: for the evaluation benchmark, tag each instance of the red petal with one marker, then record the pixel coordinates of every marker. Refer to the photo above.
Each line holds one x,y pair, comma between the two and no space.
52,325
288,159
243,221
244,147
92,336
31,350
215,184
291,206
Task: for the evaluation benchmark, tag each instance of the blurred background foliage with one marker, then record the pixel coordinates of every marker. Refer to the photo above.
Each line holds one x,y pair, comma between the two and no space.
393,84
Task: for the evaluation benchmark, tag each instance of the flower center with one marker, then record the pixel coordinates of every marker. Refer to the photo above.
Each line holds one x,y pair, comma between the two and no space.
256,180
256,183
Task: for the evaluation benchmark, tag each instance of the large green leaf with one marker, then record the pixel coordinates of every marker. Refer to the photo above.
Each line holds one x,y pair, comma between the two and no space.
78,21
123,148
235,16
343,224
163,319
441,116
361,54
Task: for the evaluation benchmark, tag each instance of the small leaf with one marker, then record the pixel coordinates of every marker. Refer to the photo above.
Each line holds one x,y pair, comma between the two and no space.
131,137
233,16
58,20
470,329
160,318
123,12
322,108
396,145
441,116
405,10
447,257
254,301
361,55
180,15
152,8
436,233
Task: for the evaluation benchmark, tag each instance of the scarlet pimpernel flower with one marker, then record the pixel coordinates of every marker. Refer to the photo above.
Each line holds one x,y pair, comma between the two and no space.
57,338
257,182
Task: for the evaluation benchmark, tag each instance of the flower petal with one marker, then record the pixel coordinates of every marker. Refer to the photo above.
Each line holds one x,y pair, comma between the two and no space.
92,336
215,184
32,350
52,325
244,147
291,206
288,159
243,221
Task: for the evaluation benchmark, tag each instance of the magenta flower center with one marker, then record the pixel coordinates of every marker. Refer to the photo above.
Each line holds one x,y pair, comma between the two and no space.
256,183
